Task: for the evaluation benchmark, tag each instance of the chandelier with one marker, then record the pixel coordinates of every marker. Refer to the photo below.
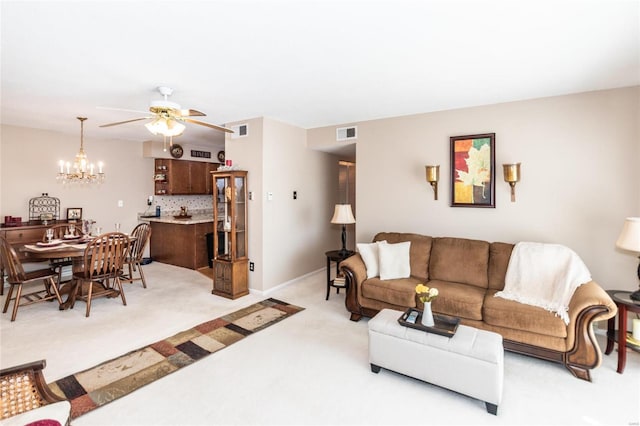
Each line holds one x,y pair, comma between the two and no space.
81,171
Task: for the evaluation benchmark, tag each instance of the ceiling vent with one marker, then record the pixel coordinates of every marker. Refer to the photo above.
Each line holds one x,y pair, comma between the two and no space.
346,133
240,131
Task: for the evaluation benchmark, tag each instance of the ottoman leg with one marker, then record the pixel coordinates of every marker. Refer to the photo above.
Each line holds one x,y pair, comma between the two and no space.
375,368
492,408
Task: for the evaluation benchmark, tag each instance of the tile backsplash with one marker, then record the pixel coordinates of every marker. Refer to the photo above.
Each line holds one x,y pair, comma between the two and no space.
170,204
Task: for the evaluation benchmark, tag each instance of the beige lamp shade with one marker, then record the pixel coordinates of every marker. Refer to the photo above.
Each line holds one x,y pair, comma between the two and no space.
343,215
629,238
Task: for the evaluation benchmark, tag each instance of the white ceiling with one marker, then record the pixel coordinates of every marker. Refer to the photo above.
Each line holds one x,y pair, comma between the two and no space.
307,63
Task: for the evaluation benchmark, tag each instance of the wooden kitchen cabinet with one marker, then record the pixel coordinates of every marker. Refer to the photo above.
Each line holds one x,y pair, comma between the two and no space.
180,244
198,177
182,177
230,257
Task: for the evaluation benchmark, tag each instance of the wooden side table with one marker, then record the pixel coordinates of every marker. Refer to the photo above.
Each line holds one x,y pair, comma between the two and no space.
625,304
335,256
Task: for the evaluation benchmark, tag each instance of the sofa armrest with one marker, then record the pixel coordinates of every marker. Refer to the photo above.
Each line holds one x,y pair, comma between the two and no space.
588,295
355,271
589,303
355,268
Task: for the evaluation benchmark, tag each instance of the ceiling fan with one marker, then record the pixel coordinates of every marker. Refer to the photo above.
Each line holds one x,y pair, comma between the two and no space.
167,117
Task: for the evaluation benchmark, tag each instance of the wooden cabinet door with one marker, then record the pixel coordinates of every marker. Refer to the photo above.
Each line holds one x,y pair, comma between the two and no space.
179,177
199,177
201,257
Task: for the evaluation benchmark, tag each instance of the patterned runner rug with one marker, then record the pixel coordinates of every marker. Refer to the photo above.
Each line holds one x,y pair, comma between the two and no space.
106,382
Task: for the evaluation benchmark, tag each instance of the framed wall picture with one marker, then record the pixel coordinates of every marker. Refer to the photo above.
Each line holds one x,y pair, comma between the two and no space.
473,170
74,213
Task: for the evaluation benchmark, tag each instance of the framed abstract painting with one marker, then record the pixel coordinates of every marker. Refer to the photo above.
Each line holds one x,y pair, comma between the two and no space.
473,170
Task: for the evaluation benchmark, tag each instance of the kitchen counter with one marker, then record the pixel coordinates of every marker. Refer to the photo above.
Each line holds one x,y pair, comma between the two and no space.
180,242
194,219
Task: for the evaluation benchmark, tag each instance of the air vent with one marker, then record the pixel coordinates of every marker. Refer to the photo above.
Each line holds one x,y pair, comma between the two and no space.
240,131
346,133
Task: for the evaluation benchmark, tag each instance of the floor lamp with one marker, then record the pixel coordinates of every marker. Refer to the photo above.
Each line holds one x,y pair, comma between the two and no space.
343,215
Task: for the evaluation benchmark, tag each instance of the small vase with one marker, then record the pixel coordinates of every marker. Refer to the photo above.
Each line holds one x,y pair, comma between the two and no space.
427,315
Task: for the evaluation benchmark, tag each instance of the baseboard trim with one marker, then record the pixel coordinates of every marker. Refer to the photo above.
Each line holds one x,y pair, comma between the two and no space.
267,292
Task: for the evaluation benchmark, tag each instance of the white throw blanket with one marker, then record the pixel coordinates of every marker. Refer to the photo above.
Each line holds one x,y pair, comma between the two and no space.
544,275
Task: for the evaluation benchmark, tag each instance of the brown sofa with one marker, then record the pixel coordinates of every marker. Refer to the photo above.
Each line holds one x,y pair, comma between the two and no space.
467,274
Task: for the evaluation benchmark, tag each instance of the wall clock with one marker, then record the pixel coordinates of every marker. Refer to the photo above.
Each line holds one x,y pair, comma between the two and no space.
221,156
176,151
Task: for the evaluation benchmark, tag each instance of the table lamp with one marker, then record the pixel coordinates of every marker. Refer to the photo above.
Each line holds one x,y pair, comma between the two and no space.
629,239
343,215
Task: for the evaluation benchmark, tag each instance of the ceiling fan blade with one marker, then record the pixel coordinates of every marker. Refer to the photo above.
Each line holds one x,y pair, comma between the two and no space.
213,126
123,109
191,113
123,122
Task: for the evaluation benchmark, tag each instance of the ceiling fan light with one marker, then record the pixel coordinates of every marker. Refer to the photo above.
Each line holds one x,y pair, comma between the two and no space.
165,126
157,126
152,128
174,128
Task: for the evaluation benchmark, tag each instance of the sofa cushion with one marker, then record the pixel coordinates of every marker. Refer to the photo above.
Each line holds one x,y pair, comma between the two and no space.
369,254
457,299
499,255
401,292
460,260
418,254
519,316
394,260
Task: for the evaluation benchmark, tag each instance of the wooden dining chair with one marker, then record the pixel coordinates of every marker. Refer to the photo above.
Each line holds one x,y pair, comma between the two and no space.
59,231
101,269
17,278
141,234
1,277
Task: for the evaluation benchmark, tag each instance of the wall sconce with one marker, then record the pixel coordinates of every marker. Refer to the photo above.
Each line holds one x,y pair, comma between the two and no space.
511,176
433,175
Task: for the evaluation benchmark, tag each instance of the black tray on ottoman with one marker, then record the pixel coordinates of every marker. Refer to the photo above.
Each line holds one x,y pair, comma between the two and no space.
444,325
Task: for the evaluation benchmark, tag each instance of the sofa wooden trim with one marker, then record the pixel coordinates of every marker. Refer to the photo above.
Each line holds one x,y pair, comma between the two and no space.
584,353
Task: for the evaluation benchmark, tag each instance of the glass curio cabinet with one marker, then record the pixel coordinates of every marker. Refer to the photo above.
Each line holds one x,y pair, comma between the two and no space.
230,258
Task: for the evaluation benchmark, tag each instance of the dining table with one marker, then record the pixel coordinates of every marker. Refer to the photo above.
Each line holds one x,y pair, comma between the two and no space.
72,249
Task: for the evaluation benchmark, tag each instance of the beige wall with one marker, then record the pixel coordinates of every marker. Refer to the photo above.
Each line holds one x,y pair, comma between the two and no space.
287,237
580,175
28,166
246,153
579,156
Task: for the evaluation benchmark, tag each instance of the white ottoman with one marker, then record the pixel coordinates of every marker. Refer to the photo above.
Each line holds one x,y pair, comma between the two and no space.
471,362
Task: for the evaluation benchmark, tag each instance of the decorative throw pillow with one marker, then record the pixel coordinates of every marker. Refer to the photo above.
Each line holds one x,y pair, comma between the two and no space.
44,422
394,260
369,254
